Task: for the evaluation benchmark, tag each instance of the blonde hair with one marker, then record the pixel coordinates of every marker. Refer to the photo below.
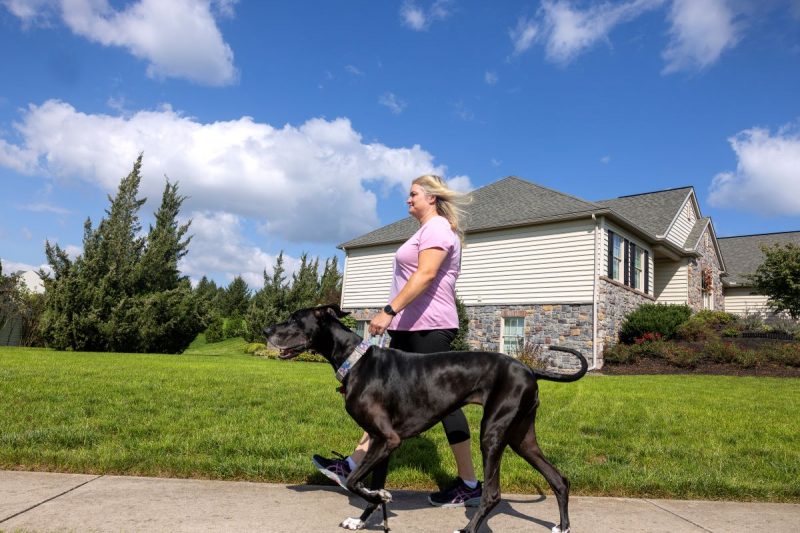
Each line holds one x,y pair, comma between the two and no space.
449,203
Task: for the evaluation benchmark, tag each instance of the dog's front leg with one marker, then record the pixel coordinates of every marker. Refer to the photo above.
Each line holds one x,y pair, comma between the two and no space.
377,455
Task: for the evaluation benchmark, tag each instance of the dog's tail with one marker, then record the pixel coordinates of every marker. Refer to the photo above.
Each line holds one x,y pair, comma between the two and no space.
564,378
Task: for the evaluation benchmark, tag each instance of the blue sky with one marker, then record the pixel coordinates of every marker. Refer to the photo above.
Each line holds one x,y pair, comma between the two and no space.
296,126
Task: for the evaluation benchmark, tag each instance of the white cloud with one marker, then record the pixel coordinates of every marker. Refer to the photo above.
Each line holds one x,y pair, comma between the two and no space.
420,19
767,176
11,267
606,159
571,31
355,71
700,31
45,208
218,246
524,35
278,176
490,77
391,101
178,38
460,184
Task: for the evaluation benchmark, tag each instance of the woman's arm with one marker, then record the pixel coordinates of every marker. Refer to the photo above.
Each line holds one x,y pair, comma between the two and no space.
430,260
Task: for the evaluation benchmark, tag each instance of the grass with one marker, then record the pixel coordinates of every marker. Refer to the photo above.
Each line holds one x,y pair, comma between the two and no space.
220,415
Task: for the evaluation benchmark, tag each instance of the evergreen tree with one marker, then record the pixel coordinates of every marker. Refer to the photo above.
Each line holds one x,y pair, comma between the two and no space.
269,305
330,285
166,245
124,293
305,284
236,299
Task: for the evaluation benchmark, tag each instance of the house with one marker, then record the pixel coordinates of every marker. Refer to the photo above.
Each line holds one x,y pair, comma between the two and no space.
743,256
552,268
11,326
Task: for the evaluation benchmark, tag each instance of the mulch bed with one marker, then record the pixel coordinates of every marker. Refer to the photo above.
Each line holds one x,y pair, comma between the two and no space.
655,366
659,366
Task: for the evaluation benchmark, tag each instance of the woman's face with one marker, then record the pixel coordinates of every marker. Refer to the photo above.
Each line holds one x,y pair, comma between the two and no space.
419,204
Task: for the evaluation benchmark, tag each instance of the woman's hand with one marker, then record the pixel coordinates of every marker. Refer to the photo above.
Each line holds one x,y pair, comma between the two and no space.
380,323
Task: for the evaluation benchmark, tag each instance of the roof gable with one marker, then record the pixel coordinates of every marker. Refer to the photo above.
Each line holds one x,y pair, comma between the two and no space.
654,212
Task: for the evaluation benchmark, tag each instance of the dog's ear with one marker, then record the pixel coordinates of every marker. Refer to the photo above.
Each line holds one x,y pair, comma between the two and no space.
331,309
336,311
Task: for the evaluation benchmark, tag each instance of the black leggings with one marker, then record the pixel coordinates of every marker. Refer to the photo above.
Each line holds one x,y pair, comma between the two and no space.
430,341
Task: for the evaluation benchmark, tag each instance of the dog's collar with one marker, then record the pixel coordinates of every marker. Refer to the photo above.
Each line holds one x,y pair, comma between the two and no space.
357,354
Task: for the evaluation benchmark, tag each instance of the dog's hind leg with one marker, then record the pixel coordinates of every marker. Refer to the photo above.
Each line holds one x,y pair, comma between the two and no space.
523,442
494,433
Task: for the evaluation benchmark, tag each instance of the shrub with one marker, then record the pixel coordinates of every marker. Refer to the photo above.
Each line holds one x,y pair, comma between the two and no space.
235,326
786,325
653,318
730,331
531,355
721,352
752,322
253,347
784,353
747,358
715,318
680,356
349,321
695,330
214,330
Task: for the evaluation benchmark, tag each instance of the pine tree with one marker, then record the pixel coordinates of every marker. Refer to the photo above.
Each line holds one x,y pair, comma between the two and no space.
269,304
305,284
330,285
166,245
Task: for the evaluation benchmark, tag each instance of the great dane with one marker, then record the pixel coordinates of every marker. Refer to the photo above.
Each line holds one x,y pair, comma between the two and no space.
394,395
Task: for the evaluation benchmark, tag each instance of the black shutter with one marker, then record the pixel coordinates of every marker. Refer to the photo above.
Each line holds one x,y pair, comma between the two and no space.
626,261
633,265
610,254
646,272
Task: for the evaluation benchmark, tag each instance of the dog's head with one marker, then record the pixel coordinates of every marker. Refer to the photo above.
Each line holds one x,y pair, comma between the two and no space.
306,329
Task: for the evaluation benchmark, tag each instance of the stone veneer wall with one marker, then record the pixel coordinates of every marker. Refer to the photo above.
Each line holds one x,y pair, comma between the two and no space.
695,274
568,325
615,301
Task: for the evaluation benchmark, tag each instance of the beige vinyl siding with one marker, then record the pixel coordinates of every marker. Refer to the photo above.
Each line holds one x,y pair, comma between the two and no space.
639,244
368,276
738,300
537,264
671,282
683,225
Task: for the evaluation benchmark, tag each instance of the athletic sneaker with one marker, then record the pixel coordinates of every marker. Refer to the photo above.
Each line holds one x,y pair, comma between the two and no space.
458,494
334,469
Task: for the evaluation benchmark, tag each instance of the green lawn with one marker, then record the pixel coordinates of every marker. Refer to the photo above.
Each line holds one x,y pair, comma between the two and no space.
216,414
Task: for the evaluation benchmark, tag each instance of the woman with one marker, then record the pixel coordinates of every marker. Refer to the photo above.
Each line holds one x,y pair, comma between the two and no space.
421,317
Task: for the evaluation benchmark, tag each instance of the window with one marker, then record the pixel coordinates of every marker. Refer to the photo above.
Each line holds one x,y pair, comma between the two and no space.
638,269
513,334
628,263
616,257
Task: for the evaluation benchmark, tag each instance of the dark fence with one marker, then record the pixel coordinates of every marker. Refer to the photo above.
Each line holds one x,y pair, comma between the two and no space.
777,335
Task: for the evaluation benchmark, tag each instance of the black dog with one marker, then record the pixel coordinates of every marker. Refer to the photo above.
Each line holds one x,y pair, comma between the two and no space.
395,395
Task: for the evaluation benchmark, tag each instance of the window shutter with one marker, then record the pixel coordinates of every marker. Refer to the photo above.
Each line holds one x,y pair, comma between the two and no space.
646,272
610,254
626,260
633,265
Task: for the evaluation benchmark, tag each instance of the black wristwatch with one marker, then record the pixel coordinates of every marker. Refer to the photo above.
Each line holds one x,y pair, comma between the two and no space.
389,311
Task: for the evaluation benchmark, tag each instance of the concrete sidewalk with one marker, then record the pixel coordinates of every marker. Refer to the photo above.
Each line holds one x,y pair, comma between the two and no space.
33,502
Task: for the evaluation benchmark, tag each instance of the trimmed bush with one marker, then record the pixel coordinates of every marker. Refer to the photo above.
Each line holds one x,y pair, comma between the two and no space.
214,330
653,318
784,353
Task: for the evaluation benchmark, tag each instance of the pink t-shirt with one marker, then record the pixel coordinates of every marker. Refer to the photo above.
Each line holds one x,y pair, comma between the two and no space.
436,307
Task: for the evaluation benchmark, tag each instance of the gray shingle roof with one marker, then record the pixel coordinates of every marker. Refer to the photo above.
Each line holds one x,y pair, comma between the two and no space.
516,202
743,255
697,232
653,212
508,202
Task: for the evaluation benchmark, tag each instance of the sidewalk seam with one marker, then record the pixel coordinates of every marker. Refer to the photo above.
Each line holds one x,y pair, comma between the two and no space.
679,516
6,519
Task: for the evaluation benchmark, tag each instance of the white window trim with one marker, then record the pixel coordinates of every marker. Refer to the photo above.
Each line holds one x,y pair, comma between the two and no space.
503,333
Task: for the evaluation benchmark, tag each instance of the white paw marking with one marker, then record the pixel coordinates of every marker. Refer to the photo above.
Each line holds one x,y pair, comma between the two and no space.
353,524
557,529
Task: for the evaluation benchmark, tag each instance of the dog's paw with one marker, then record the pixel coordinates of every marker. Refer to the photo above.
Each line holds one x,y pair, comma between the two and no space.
557,529
385,495
353,524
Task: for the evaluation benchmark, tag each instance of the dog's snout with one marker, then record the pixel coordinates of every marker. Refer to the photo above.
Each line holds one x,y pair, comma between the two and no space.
269,331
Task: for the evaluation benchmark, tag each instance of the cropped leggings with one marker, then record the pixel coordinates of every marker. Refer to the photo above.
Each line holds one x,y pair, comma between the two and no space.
430,341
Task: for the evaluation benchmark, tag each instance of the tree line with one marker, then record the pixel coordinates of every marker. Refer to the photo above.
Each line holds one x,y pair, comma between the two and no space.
125,293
